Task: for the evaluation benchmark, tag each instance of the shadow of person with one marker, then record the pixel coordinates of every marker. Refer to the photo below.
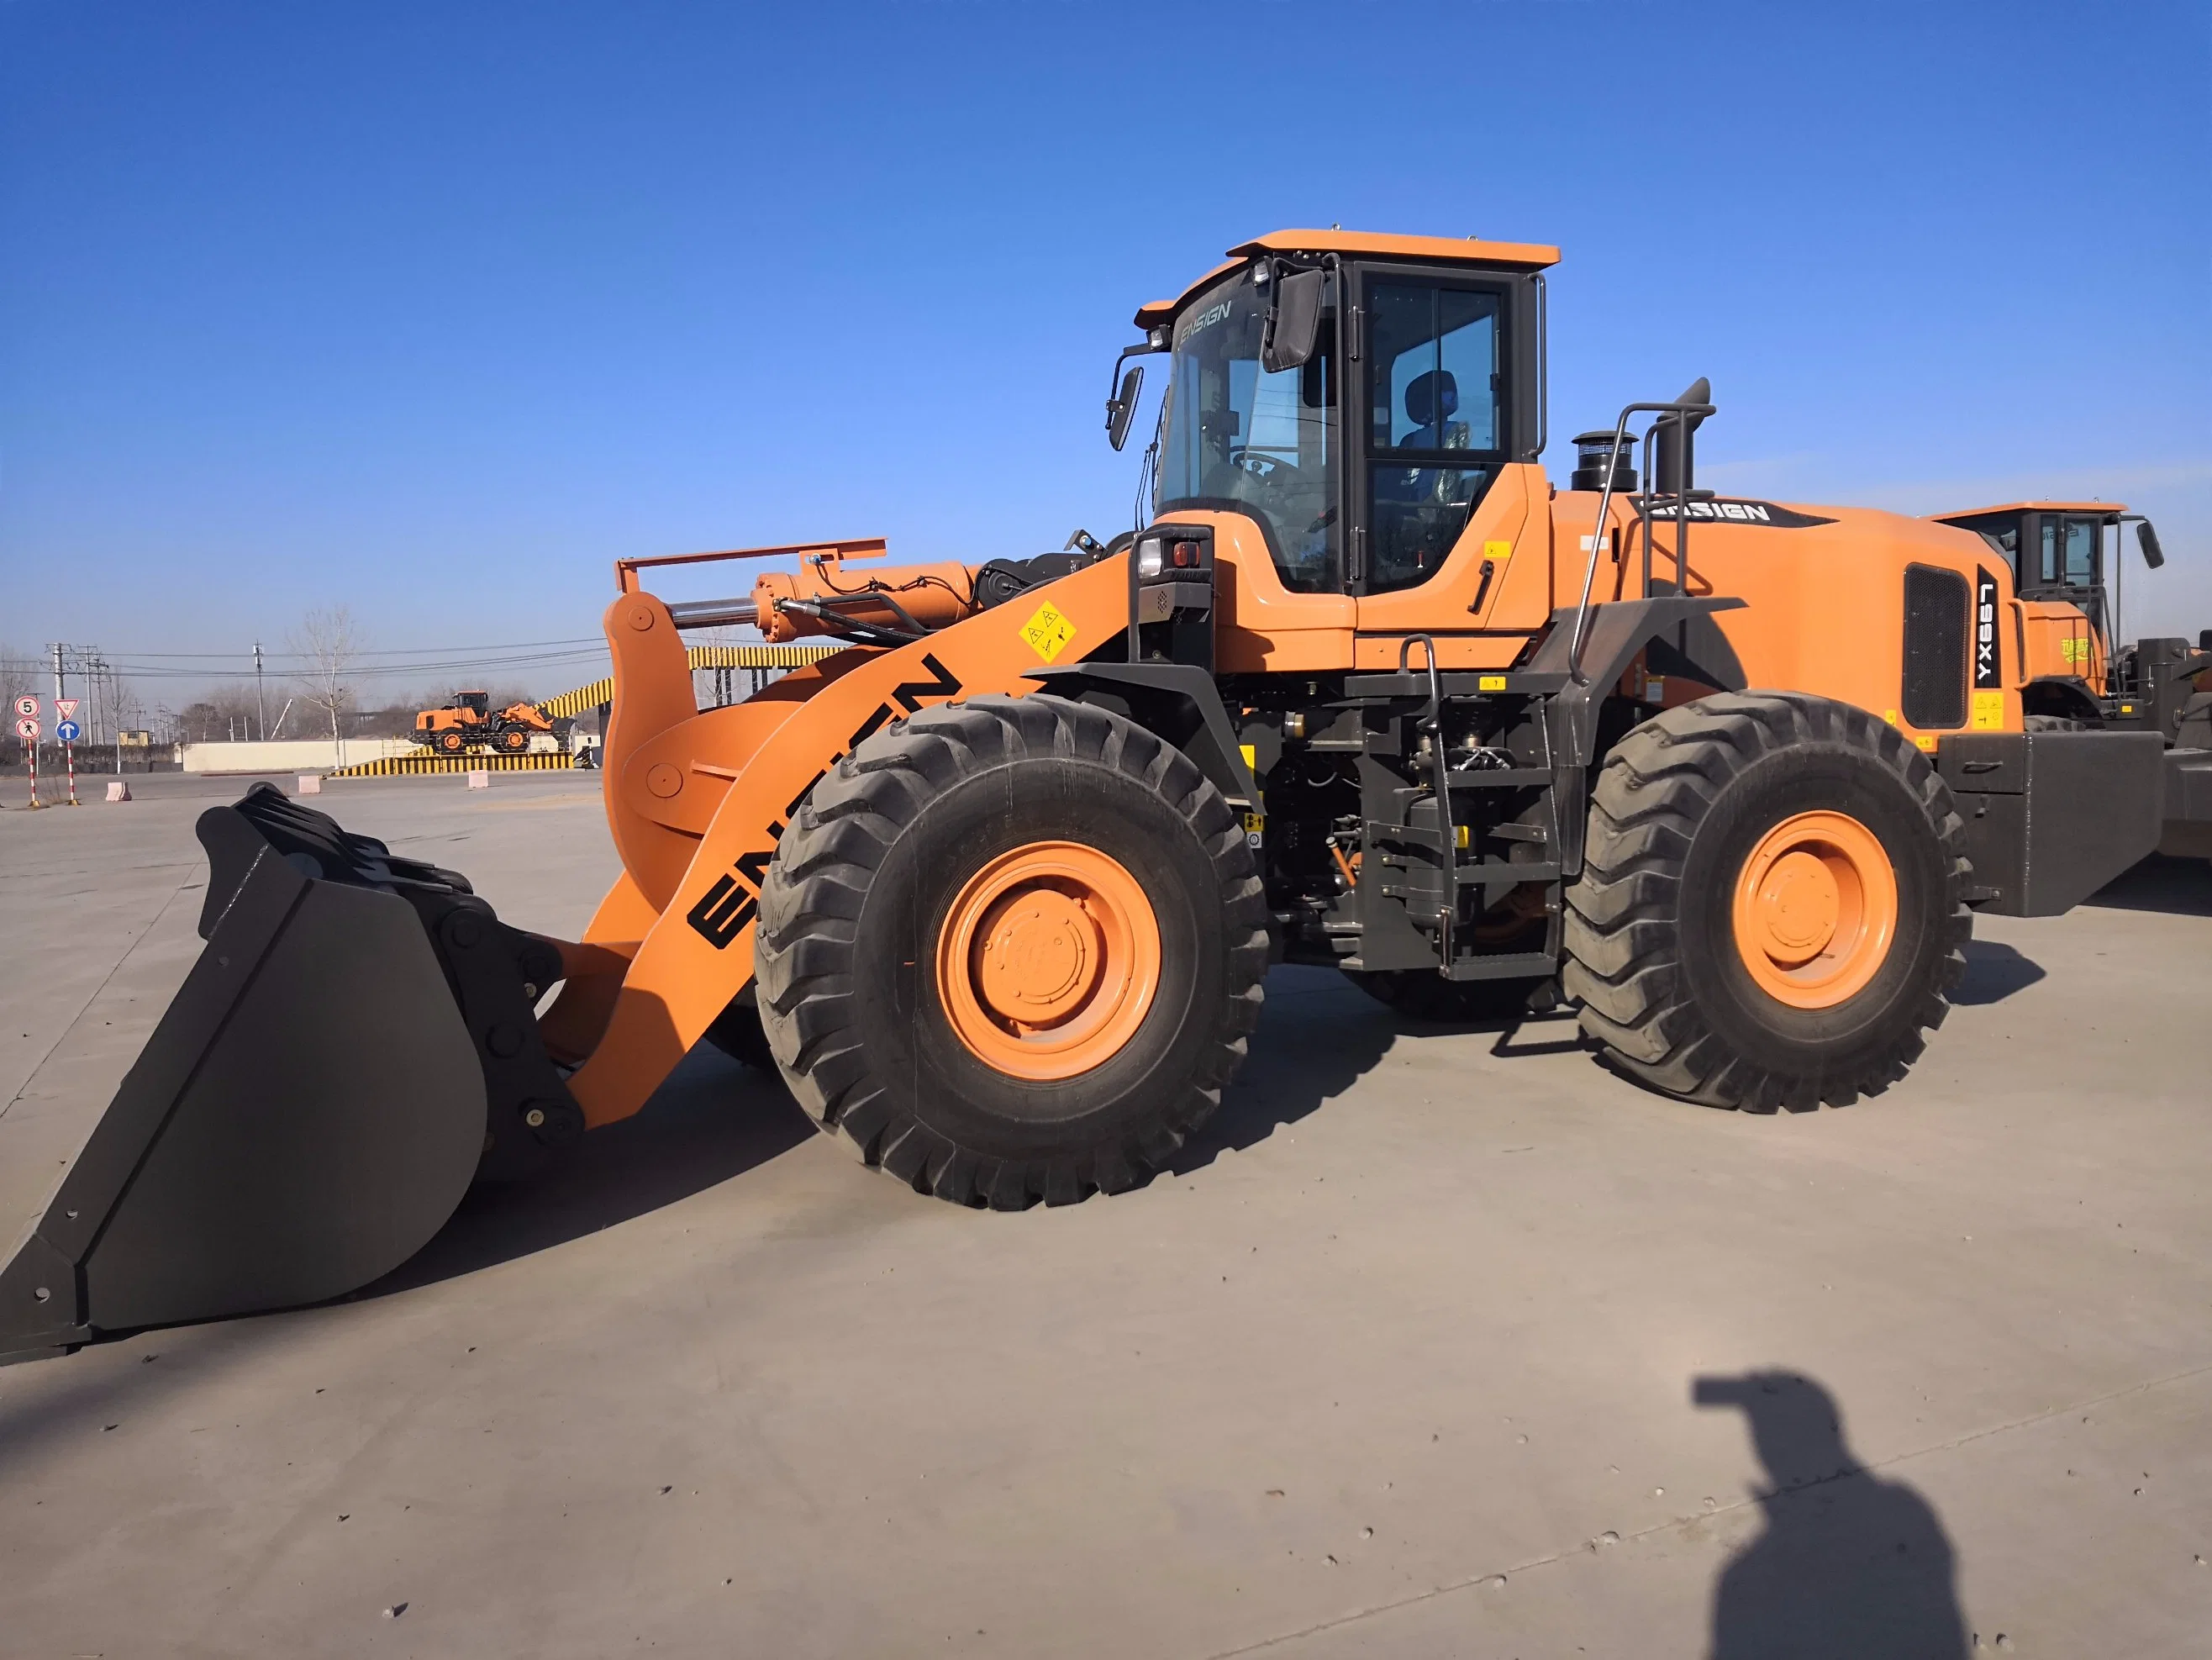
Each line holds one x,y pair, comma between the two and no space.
1849,1566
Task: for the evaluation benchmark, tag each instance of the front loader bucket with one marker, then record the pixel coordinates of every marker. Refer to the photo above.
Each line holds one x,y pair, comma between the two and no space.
314,1103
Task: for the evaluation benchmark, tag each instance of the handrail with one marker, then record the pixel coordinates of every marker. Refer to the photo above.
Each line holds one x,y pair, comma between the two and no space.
866,547
1681,411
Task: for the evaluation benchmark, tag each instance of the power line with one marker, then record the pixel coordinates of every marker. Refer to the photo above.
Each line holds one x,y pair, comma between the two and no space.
390,651
367,671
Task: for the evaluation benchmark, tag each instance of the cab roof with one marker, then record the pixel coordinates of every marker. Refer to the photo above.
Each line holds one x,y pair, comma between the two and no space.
2114,508
1459,249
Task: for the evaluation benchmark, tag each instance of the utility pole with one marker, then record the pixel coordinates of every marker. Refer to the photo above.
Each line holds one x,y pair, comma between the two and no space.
61,688
260,706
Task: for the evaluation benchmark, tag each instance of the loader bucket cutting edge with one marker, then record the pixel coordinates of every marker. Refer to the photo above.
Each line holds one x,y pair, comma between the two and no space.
312,1105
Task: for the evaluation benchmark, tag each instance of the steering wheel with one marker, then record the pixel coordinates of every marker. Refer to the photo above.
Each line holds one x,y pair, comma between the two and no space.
1260,464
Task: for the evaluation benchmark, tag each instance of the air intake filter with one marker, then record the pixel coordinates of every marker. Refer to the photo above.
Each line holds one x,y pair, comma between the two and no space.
1592,450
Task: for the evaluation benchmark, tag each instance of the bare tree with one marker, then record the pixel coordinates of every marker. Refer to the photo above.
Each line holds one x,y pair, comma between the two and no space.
18,674
327,642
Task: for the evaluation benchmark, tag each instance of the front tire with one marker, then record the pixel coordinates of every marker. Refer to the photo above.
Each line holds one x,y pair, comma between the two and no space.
1771,906
1012,949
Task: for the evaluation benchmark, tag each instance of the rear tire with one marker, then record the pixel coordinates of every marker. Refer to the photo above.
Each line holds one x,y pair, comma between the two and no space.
1672,977
884,858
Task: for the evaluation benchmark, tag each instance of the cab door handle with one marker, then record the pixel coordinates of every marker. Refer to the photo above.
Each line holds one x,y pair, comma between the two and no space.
1482,588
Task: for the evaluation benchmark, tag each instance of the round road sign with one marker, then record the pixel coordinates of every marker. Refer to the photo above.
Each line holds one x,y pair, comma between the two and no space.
28,706
27,729
68,731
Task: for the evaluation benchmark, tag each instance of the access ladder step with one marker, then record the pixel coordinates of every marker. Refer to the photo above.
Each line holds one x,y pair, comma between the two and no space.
1517,965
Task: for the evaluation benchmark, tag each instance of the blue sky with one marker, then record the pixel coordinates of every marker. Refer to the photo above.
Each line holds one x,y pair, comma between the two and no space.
437,309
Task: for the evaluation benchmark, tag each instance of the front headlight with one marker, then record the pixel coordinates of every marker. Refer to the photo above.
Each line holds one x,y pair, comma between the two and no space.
1151,557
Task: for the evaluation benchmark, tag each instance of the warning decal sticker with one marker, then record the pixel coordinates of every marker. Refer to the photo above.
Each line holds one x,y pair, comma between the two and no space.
1047,632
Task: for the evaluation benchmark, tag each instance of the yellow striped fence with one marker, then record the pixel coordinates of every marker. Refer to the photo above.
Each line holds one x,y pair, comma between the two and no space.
406,766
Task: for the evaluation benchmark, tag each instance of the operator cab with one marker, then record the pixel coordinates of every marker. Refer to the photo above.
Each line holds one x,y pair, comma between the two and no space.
2069,584
480,701
2055,550
1354,396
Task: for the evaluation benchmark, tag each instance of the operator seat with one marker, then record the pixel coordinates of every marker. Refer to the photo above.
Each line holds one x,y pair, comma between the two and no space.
1431,400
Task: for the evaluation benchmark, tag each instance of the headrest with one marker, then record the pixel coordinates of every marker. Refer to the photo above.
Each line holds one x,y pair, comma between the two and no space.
1432,399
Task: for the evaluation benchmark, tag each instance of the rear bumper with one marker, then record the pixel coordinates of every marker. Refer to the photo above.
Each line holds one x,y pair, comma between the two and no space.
2052,817
2186,831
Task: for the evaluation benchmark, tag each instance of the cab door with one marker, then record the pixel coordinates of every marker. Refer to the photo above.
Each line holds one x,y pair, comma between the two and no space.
2063,584
1440,499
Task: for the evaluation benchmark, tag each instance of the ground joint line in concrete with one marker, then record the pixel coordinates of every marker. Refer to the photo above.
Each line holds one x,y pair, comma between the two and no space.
1856,1471
92,996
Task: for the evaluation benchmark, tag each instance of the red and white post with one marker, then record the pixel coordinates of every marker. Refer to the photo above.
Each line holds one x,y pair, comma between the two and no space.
26,731
69,760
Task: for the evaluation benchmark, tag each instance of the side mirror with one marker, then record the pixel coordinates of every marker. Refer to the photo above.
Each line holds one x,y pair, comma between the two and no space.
1121,407
1293,322
2147,540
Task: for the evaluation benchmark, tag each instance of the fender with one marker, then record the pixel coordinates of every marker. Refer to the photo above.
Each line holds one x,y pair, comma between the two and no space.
1679,624
1177,702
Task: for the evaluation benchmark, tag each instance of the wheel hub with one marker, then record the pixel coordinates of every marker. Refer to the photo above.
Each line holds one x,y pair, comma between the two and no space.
1039,958
1815,910
1798,907
1047,960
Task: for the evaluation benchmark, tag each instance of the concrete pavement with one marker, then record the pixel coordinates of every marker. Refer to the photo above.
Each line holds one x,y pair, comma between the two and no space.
1400,1360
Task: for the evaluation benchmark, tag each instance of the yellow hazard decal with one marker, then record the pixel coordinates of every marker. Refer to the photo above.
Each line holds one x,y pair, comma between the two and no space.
1490,682
1047,632
1989,711
1497,549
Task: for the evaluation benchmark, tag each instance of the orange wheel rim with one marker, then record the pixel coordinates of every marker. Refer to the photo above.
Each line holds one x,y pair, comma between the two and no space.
1048,960
1815,909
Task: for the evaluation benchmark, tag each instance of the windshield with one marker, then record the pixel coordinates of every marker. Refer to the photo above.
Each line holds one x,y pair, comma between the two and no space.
1234,438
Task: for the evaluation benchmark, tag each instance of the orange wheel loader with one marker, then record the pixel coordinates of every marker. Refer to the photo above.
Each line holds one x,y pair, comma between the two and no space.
2067,557
469,722
995,887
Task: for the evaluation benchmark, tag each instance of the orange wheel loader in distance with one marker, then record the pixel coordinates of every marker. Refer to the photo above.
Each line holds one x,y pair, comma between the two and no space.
469,722
997,885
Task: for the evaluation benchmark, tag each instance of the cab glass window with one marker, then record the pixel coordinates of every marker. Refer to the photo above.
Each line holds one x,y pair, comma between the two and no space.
2068,552
2081,563
1436,385
1235,438
1435,416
